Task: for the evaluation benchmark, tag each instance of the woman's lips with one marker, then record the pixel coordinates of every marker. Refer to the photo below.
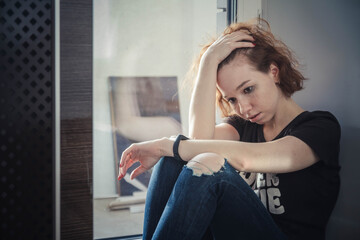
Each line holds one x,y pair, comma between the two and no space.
254,118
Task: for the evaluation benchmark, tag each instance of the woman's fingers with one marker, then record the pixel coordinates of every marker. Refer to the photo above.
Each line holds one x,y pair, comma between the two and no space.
234,37
122,172
126,158
238,36
139,170
243,44
124,168
241,33
225,44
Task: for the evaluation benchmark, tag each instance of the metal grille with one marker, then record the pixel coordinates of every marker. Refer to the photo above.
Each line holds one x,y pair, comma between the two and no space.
26,120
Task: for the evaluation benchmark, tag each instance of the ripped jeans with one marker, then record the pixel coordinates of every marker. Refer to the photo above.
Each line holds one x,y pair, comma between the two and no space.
200,202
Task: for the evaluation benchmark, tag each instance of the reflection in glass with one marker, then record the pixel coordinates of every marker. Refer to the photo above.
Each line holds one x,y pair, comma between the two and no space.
142,51
142,108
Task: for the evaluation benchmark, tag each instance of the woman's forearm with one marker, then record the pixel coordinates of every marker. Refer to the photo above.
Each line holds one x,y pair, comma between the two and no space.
191,148
283,155
227,149
202,106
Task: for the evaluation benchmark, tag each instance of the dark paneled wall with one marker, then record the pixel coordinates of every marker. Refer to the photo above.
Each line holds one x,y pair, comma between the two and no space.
26,115
27,204
76,119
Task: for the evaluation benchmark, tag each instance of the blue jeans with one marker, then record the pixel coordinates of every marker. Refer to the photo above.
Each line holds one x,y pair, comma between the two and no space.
182,206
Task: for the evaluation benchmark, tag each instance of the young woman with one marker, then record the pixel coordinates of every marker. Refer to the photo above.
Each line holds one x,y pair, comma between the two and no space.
270,171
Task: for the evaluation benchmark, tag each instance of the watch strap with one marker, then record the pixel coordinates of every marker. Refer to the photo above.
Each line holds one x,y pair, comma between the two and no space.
176,146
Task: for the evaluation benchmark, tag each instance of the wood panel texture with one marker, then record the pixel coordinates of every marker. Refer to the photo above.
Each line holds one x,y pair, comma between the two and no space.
76,119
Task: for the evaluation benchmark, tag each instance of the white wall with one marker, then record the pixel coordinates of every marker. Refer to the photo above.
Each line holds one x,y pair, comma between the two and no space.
141,38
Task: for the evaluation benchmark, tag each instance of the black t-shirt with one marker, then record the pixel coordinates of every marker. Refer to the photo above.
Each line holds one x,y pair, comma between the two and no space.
300,202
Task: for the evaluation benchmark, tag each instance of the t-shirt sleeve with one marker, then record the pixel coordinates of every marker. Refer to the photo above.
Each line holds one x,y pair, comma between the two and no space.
237,122
321,132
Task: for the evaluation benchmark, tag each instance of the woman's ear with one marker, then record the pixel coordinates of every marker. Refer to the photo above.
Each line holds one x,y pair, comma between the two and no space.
274,73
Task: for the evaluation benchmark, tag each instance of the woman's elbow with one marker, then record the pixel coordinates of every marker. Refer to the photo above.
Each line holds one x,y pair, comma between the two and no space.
201,135
239,164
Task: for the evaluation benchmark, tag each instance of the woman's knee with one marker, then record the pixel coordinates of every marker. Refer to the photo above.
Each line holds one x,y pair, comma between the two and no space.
168,166
206,164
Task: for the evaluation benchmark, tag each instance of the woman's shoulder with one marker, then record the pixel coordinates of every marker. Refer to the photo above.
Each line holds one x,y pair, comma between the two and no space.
321,131
318,121
241,125
318,116
236,120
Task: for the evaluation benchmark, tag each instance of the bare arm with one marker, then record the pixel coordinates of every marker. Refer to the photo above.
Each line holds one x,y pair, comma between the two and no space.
202,104
225,131
283,155
203,99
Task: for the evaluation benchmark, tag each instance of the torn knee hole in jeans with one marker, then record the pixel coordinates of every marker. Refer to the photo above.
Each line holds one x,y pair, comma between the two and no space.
206,164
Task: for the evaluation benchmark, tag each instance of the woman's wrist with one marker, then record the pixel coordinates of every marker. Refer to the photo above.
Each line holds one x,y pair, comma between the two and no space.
208,60
176,146
166,146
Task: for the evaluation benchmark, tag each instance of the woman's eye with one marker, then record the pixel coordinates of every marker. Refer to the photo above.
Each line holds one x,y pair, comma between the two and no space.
231,100
248,90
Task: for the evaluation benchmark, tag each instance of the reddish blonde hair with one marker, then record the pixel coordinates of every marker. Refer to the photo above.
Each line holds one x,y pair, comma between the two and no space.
268,50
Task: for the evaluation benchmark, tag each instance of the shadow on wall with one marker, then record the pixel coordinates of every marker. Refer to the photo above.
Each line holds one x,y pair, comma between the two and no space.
345,220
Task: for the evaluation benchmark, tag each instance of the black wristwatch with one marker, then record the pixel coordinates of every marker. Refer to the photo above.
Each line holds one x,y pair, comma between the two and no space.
176,146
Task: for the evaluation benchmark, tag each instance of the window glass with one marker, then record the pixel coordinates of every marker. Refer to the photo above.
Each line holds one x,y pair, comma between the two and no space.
142,51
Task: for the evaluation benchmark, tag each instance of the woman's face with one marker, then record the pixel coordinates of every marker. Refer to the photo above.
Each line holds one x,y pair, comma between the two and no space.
252,94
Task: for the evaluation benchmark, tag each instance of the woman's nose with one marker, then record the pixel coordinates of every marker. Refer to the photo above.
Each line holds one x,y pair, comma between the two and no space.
244,107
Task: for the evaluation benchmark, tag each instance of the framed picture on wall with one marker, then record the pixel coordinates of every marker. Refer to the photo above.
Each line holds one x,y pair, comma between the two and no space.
142,109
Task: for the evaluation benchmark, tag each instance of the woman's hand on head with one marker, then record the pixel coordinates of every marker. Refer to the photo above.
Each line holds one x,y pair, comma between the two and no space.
225,44
147,153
